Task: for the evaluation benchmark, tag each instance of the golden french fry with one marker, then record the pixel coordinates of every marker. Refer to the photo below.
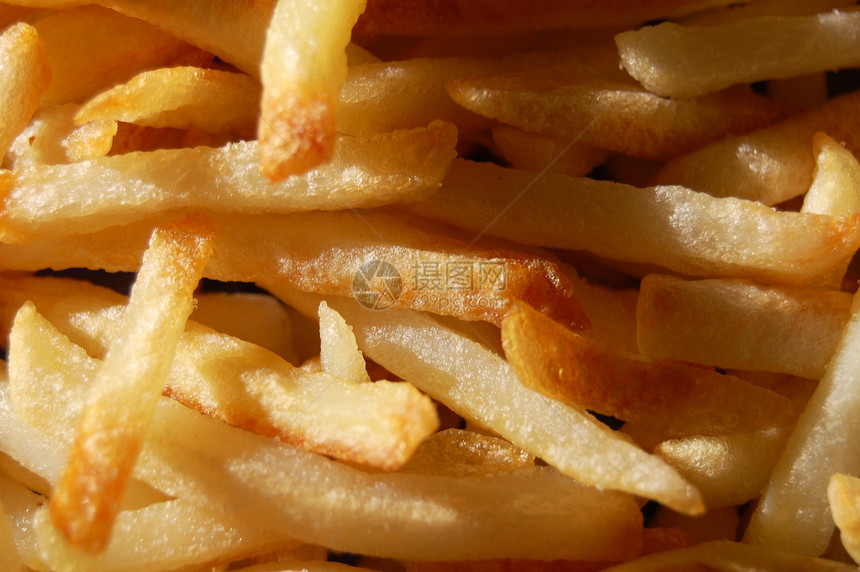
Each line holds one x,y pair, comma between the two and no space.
688,61
366,172
388,262
302,71
452,368
91,48
9,557
772,164
614,115
459,453
536,151
213,100
793,511
24,77
669,397
704,236
835,188
843,496
112,427
736,323
339,354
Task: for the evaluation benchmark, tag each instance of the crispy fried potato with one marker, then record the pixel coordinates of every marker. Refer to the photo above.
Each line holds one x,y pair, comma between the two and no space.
793,511
772,164
352,249
843,496
835,188
536,151
52,138
459,453
25,74
303,68
736,323
673,227
614,115
339,354
215,101
9,558
83,197
688,61
91,48
125,392
669,397
453,369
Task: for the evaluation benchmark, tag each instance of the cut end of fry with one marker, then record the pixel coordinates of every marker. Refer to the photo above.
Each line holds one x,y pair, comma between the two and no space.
295,135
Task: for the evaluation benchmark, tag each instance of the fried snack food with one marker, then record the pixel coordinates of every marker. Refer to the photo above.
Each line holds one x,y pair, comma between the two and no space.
390,285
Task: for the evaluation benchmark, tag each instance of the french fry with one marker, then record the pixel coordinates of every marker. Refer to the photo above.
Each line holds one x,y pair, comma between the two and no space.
52,138
614,115
213,100
793,511
664,396
404,165
459,453
339,354
453,369
704,236
110,432
772,164
9,557
302,71
25,77
535,152
688,61
20,503
843,496
735,323
835,188
91,48
309,242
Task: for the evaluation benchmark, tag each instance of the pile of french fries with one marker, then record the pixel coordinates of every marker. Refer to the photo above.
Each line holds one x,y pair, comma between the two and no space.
429,286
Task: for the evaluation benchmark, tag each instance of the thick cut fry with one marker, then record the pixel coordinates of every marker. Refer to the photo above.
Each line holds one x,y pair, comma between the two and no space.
672,398
455,370
468,17
735,323
727,556
687,61
793,511
311,498
613,115
339,354
303,69
835,188
458,453
377,424
673,227
24,77
83,197
90,49
185,96
52,138
843,496
535,152
772,164
341,254
124,395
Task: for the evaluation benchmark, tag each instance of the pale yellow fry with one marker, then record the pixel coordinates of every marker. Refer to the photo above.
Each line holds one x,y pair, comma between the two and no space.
736,323
455,370
20,503
793,511
303,68
9,558
458,453
316,500
339,354
835,188
52,138
83,197
772,164
727,556
687,61
180,97
91,48
536,152
24,77
112,427
843,496
669,226
613,115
